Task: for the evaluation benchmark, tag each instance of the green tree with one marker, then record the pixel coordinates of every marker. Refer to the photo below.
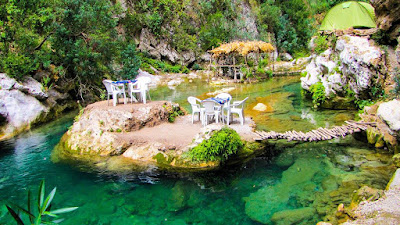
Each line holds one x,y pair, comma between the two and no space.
130,62
24,26
85,41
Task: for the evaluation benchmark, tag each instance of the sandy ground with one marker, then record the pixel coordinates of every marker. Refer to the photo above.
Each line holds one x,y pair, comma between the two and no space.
181,133
171,135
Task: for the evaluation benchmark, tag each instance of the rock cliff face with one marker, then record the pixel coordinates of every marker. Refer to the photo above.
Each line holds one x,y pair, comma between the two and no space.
161,47
25,104
387,16
355,63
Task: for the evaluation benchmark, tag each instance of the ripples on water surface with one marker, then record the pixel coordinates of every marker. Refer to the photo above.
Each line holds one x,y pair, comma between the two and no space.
302,177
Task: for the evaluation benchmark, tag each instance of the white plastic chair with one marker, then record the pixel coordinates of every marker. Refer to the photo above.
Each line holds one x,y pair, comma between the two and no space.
226,107
210,109
238,108
114,90
141,86
196,108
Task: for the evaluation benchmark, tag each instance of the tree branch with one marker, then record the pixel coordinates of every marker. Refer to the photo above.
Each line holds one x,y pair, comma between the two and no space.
44,40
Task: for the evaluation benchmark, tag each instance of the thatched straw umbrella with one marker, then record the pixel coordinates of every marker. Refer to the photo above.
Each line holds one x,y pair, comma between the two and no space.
242,48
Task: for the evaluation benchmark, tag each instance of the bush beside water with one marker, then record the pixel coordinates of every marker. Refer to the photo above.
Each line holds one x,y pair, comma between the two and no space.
221,145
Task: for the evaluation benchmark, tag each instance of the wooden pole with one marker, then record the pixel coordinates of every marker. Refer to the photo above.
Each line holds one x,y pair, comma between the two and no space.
234,69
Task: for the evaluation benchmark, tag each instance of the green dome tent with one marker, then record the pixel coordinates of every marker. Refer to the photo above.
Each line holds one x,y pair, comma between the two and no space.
349,14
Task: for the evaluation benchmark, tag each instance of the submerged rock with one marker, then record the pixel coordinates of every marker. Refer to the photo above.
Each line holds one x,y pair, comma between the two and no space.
267,201
294,216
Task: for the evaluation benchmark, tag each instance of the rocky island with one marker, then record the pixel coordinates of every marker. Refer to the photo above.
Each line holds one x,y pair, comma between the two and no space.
142,134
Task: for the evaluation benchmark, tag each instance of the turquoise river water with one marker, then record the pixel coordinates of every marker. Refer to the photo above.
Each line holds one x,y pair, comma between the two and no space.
313,177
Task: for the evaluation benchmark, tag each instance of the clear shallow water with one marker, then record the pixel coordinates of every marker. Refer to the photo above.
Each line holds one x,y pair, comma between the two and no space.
285,107
228,196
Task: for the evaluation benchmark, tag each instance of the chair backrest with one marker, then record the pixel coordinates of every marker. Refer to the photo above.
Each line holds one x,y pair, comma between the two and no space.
224,96
143,83
209,106
193,102
241,103
108,84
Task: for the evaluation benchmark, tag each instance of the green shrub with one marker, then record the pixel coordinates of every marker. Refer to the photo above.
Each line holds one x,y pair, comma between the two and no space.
260,71
321,44
318,94
362,103
221,145
269,73
18,65
263,62
174,111
196,67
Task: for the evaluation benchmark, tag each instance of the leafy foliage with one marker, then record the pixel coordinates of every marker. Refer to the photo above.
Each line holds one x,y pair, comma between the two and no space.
174,111
159,65
318,94
221,145
77,37
42,210
321,44
130,61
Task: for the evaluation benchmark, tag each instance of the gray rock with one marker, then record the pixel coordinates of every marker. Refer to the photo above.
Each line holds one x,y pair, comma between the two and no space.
206,57
21,110
34,88
285,57
353,64
160,48
6,83
389,112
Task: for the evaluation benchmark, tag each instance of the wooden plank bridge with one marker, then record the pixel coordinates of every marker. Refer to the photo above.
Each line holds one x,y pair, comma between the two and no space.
319,134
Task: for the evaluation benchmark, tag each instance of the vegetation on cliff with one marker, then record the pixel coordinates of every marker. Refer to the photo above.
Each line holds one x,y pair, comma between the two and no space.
85,41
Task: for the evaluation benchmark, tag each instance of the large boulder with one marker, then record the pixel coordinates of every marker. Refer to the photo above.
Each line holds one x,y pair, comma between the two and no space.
356,63
96,131
24,104
385,133
20,110
389,112
19,107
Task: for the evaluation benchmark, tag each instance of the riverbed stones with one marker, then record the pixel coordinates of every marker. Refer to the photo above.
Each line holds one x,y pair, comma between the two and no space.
263,204
294,216
385,210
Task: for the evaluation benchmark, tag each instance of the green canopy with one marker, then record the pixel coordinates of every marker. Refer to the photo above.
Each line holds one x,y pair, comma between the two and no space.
349,14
